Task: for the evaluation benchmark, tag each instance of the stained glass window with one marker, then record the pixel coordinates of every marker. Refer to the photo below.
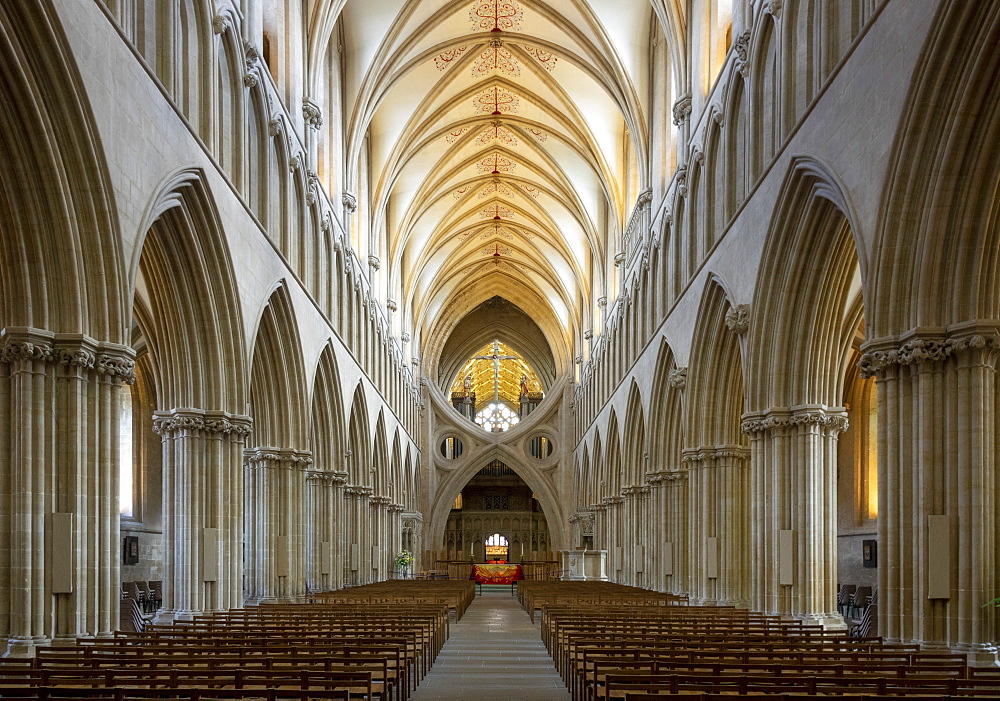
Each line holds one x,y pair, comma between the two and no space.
496,417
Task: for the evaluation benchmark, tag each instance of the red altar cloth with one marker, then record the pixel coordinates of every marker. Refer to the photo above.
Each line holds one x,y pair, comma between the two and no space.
496,574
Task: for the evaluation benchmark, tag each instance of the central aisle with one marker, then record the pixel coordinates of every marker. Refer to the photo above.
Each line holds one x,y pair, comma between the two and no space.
493,653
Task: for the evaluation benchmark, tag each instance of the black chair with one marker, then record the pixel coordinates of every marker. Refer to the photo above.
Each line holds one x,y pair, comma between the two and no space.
844,597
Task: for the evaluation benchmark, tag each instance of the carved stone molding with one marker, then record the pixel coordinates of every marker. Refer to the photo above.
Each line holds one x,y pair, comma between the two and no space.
312,192
404,337
374,263
210,422
349,201
773,7
602,302
277,457
391,305
108,360
682,110
588,334
834,421
701,457
578,360
682,181
925,348
312,114
219,24
677,378
251,59
326,478
619,259
274,127
742,48
738,319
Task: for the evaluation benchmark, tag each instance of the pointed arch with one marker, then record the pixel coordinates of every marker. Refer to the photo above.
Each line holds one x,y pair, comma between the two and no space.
809,262
716,378
277,376
665,417
635,449
195,327
328,420
59,232
359,439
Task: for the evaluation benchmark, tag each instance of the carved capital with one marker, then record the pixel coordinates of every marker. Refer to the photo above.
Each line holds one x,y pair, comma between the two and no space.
619,259
219,24
602,302
682,181
374,263
773,7
833,420
677,378
312,114
738,319
588,334
220,423
77,351
926,348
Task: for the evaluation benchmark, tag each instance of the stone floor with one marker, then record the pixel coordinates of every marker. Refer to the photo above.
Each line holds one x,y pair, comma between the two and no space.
493,653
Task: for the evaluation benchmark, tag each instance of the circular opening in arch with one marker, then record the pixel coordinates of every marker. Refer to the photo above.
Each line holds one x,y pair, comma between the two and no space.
451,447
540,447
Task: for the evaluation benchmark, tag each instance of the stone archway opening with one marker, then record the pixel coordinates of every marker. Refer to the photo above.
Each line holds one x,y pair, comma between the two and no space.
496,517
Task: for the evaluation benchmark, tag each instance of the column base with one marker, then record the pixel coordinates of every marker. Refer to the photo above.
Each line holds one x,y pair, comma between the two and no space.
829,621
980,655
25,646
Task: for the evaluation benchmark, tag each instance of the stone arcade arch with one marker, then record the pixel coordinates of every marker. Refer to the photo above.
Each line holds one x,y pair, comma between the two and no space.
796,392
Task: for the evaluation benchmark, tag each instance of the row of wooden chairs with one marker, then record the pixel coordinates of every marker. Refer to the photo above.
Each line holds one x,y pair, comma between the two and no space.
147,594
457,595
359,650
627,649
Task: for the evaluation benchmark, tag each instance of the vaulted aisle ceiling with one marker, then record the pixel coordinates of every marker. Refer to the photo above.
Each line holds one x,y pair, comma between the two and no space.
501,141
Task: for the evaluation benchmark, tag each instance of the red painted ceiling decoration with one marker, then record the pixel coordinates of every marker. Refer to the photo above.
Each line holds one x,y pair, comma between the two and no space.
496,101
497,132
444,59
544,57
496,59
496,15
497,212
496,164
496,188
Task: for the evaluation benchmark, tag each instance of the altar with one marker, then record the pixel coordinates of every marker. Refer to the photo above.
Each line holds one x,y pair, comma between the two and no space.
496,574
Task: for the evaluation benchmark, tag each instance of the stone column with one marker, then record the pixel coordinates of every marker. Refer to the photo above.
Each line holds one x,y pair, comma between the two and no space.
59,471
794,524
275,540
939,487
202,510
357,535
678,535
719,547
323,505
413,525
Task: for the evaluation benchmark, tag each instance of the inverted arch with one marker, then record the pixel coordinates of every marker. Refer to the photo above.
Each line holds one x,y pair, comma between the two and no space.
451,484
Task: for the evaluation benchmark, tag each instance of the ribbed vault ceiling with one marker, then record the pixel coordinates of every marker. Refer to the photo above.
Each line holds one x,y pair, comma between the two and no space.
498,142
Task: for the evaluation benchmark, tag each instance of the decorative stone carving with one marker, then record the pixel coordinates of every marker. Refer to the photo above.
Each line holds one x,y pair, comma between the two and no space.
738,319
391,305
274,127
588,334
742,47
287,457
578,360
602,302
835,422
404,337
219,24
374,263
294,163
71,350
349,201
682,110
251,59
682,181
930,349
677,377
312,113
773,7
217,422
312,192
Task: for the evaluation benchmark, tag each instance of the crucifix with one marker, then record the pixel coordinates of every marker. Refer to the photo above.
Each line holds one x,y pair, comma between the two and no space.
496,358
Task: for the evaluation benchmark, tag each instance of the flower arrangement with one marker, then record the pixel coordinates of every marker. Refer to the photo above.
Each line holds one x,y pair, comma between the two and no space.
404,560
